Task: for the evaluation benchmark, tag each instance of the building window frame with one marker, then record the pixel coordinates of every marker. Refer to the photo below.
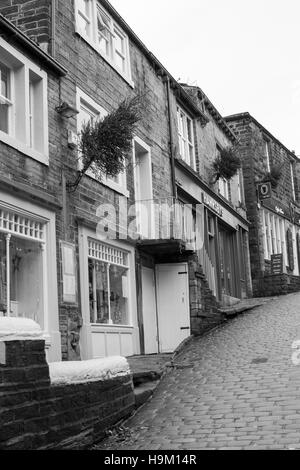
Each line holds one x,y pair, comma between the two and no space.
94,24
27,103
292,180
186,137
267,154
119,183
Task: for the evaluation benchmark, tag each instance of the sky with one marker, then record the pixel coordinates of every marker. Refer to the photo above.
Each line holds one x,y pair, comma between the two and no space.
244,54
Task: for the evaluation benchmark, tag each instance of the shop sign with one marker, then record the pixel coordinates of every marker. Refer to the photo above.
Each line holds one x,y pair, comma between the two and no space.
278,208
277,264
264,190
212,204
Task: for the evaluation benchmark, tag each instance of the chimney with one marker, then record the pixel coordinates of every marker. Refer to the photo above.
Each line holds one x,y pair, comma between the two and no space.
32,17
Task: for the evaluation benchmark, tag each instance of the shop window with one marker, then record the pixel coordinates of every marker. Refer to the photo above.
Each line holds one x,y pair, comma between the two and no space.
21,271
108,285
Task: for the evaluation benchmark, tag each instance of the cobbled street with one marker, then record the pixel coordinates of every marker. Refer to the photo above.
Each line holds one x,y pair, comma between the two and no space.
238,388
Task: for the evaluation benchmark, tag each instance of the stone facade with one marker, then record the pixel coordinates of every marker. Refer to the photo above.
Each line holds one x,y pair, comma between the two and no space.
253,138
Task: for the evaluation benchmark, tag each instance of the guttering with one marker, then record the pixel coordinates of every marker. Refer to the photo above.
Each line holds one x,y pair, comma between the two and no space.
7,27
174,187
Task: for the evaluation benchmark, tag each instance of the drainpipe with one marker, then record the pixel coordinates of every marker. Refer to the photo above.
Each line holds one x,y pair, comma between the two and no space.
174,189
53,27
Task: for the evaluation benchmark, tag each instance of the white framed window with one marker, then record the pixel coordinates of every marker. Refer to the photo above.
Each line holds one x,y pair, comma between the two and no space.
267,154
274,235
23,104
224,188
108,284
101,31
91,111
186,138
292,180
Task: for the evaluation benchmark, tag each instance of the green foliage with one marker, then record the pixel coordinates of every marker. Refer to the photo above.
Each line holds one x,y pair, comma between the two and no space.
227,163
274,175
105,144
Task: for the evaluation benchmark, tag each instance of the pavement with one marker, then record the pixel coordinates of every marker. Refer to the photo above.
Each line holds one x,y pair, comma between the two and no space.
235,388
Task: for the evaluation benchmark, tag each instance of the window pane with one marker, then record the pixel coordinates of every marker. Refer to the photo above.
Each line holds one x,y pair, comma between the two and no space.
4,118
4,71
26,279
98,292
119,43
120,62
189,130
118,295
104,33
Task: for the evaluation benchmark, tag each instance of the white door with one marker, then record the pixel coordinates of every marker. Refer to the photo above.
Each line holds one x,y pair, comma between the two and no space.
172,305
149,311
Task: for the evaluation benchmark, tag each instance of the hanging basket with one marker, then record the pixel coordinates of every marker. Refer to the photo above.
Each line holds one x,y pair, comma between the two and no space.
227,163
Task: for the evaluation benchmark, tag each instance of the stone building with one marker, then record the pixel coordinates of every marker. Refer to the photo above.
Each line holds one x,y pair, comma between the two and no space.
120,285
272,198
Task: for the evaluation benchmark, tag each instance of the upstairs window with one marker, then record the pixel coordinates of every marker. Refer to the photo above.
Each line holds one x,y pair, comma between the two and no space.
5,101
267,154
292,180
224,188
186,138
100,30
90,111
23,104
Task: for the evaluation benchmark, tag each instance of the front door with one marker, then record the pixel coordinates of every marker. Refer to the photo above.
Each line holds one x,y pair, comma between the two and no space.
172,305
149,311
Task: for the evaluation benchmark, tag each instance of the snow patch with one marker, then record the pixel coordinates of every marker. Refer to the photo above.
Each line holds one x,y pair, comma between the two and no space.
18,329
74,372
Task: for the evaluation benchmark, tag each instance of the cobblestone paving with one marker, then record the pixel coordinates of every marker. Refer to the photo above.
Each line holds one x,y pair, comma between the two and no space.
241,391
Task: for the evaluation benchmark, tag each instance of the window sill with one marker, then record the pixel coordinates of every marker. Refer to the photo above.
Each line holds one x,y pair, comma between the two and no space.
98,326
93,45
21,147
110,184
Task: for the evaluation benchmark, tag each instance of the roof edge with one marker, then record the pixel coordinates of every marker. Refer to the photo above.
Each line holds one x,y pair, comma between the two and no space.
32,47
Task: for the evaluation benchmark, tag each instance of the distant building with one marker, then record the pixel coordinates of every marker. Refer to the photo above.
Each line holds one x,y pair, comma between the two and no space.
273,206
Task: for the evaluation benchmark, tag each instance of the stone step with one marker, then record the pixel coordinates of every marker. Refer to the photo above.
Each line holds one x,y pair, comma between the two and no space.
143,392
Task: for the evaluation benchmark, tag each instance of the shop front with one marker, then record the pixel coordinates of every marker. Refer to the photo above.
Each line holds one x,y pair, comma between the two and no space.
108,300
28,279
225,240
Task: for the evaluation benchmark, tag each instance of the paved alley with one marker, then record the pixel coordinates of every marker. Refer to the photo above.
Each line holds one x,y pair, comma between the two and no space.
236,388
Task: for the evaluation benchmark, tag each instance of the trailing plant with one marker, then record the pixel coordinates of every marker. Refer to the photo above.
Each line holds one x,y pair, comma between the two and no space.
226,164
104,144
274,175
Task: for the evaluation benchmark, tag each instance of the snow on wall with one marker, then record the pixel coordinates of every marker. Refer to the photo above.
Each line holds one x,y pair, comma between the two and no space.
73,372
13,328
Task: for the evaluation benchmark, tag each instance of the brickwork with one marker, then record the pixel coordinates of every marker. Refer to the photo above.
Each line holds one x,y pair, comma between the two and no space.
32,17
88,71
36,415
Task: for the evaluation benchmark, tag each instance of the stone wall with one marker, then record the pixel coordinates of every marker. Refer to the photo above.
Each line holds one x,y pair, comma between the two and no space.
203,304
278,284
37,415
